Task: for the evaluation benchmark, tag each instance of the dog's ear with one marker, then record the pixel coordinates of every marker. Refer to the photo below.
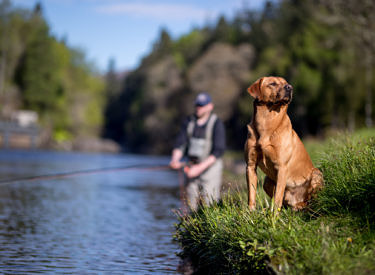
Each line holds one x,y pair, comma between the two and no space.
254,89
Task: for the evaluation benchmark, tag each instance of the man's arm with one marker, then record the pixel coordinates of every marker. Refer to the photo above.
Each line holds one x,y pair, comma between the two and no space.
218,139
176,157
179,146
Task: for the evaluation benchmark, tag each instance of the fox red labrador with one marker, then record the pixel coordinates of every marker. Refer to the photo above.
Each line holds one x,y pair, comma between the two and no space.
273,146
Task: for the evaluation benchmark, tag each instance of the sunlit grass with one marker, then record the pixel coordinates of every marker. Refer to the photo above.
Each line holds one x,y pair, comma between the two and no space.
335,236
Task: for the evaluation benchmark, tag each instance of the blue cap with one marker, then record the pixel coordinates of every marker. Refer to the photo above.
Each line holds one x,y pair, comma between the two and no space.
202,99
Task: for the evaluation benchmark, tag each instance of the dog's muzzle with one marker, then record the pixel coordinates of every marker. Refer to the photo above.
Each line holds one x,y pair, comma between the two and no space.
288,91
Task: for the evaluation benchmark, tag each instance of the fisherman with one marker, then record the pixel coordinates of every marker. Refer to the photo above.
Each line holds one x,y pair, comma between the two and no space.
202,140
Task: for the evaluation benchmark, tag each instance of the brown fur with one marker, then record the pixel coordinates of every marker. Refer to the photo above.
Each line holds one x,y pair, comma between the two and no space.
275,147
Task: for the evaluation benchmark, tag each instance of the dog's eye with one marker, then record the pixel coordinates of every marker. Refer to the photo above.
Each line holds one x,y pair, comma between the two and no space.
273,84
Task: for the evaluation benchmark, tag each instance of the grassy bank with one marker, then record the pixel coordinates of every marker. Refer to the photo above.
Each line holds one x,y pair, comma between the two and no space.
335,236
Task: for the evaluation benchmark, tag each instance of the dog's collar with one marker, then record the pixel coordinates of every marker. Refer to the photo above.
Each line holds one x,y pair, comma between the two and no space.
258,102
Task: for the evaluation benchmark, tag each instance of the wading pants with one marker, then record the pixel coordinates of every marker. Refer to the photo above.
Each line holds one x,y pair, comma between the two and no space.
205,188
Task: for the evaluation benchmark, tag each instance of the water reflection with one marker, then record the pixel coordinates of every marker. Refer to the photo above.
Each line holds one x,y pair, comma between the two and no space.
107,222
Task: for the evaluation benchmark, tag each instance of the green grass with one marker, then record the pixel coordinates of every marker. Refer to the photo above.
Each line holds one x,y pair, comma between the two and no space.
335,236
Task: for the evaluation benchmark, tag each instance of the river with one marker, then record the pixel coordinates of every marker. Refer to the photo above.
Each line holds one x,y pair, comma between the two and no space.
112,222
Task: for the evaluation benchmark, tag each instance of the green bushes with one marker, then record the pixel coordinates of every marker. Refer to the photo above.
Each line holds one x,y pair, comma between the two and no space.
335,236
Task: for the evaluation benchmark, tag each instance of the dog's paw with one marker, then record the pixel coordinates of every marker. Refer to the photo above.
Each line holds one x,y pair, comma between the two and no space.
299,206
252,208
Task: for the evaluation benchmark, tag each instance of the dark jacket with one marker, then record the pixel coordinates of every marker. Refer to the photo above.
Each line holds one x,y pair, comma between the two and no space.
218,136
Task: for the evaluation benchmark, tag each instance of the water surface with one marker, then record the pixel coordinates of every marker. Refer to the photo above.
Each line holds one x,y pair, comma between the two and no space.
112,222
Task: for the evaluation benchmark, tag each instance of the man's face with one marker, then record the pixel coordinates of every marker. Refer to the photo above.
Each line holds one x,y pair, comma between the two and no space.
201,111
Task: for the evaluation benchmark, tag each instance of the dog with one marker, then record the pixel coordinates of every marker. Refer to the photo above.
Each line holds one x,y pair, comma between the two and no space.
274,146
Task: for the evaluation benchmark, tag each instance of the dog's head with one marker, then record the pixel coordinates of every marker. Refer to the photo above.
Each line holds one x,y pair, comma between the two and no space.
271,90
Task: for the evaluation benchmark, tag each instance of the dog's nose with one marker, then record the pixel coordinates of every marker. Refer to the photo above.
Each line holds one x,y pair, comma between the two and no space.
288,88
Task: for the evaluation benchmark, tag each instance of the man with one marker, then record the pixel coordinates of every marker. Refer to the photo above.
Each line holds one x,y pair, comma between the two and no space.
202,140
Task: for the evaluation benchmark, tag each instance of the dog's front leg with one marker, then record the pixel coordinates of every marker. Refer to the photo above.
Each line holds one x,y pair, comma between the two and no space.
251,157
252,181
280,187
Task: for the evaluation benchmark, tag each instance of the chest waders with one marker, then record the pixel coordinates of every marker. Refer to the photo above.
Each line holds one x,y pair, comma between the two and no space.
200,148
206,187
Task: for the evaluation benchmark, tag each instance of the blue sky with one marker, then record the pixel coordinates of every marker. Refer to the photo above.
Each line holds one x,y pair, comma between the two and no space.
125,29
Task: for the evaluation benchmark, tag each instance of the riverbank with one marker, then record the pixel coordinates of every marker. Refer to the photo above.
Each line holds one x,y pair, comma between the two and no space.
336,235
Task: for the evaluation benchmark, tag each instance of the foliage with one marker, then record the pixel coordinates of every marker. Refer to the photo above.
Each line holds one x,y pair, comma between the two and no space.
42,74
188,47
323,48
336,236
36,73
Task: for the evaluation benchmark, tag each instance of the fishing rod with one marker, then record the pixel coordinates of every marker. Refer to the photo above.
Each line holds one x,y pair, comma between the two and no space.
150,167
86,172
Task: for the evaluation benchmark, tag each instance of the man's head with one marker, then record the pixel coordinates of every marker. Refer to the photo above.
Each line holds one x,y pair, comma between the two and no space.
203,104
271,89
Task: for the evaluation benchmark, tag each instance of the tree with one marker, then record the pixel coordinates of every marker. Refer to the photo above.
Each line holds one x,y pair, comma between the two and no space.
36,74
113,111
357,20
112,80
4,29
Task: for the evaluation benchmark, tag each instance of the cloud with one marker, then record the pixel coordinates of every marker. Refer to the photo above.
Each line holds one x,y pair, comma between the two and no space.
157,11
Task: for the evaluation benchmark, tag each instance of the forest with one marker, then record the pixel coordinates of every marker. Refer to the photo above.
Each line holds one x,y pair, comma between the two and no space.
41,73
324,49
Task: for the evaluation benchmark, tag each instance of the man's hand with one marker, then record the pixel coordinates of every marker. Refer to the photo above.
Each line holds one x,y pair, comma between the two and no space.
197,169
175,164
193,171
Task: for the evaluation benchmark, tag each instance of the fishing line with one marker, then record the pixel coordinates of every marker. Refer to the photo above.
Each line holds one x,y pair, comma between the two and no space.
85,172
184,206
